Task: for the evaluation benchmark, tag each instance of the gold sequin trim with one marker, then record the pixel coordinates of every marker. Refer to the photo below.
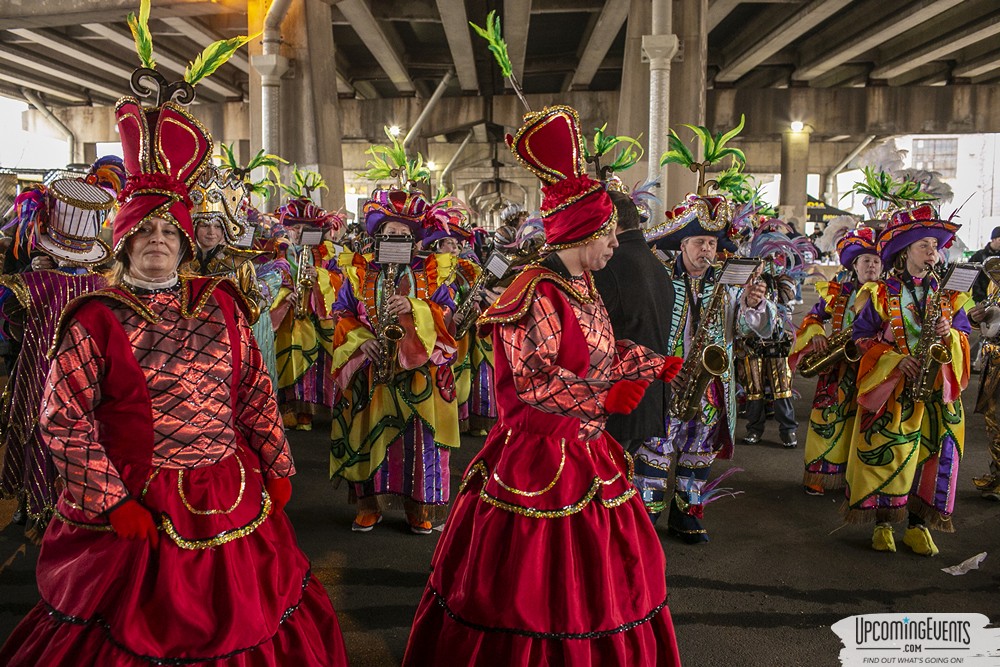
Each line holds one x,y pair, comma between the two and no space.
607,228
548,487
533,513
17,286
236,503
100,527
588,298
223,537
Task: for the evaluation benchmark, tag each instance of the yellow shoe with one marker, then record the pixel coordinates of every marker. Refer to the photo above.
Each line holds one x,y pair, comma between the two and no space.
289,420
882,539
366,520
919,539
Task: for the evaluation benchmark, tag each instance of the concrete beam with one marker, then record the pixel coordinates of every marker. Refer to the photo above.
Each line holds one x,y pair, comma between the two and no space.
165,59
609,24
375,38
203,35
718,10
516,19
566,6
978,66
455,22
82,55
57,13
62,72
981,29
828,57
42,85
804,20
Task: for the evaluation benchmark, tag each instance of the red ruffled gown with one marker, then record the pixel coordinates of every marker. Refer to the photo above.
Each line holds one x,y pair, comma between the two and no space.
548,557
163,398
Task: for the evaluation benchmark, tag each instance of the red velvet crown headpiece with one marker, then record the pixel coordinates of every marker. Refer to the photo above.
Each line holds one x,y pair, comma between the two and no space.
165,149
575,207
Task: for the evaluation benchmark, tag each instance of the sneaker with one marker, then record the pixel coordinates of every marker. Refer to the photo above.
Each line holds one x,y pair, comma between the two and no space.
365,521
304,427
751,438
789,442
289,420
419,527
919,539
814,489
882,539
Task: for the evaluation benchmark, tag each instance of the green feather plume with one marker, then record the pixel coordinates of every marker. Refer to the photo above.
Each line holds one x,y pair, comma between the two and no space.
262,187
494,37
213,57
715,146
881,185
630,152
390,162
141,34
304,182
677,153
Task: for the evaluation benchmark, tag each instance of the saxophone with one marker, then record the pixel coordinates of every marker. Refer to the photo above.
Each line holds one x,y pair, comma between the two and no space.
704,362
930,352
841,347
303,284
389,333
465,309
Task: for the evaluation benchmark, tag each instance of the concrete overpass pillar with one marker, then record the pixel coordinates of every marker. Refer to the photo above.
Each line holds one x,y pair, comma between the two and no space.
688,86
633,104
794,172
311,118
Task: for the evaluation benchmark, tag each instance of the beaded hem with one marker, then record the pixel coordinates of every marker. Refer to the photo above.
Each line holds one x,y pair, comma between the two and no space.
60,617
596,634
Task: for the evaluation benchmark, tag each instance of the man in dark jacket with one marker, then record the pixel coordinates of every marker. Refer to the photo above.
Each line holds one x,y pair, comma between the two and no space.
634,285
992,249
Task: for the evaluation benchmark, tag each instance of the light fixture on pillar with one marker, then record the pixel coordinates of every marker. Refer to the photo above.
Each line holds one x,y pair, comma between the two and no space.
797,126
432,165
394,130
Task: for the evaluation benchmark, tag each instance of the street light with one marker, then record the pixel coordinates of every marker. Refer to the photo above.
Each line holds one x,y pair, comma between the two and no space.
394,130
797,126
432,166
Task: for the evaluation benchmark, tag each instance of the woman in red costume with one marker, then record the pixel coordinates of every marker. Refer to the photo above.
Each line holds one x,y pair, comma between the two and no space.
169,544
548,557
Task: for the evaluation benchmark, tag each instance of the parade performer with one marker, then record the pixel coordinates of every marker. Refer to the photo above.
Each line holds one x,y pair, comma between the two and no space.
699,228
834,358
397,417
986,315
765,375
169,543
910,429
301,311
547,509
450,240
59,224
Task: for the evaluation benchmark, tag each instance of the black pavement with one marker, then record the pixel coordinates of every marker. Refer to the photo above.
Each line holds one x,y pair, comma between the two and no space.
779,571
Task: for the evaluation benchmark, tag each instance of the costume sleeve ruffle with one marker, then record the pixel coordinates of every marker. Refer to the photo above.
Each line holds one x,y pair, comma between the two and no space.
532,345
257,414
759,321
67,424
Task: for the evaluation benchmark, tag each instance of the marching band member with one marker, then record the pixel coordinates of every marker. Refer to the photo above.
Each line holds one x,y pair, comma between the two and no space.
547,519
301,311
986,315
58,227
910,430
835,406
397,417
765,375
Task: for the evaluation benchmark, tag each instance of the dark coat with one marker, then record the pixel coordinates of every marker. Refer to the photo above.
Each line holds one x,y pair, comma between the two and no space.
638,294
982,285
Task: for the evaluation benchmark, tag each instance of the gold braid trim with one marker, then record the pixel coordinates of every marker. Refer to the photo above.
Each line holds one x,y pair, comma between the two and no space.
607,228
533,513
100,527
223,537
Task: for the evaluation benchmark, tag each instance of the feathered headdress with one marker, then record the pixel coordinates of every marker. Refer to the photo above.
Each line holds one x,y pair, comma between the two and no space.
165,148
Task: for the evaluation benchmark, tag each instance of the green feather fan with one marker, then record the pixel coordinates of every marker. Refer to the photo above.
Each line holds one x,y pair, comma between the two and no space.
213,57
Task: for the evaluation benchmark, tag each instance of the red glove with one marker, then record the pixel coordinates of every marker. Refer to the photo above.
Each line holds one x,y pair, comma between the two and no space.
671,366
280,490
132,521
624,396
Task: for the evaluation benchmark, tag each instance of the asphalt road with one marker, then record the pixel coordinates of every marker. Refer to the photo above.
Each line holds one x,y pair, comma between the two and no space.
779,571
